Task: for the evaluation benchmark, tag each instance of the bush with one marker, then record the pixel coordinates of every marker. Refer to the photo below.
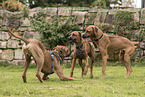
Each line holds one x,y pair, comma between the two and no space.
55,32
122,22
106,28
13,5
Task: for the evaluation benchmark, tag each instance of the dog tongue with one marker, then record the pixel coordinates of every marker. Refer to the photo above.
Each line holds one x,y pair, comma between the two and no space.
70,41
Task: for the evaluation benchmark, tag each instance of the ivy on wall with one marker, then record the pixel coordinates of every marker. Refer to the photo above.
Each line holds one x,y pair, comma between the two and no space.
54,32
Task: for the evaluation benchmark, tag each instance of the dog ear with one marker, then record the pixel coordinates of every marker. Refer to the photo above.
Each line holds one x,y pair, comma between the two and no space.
80,35
54,48
95,30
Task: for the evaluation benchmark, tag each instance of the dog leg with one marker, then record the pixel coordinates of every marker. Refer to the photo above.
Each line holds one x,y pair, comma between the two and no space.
82,66
127,65
91,55
26,65
125,59
45,76
72,66
86,66
104,59
91,68
39,68
59,72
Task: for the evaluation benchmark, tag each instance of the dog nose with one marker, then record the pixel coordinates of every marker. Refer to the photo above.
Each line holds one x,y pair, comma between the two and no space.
83,35
69,38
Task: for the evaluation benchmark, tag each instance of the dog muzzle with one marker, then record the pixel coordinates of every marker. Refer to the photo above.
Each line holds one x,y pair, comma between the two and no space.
71,39
85,36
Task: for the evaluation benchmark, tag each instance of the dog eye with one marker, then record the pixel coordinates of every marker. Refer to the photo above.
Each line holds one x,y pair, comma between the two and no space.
74,35
88,31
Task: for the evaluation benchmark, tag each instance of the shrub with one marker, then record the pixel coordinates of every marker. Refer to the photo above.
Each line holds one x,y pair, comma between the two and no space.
122,22
13,5
55,32
106,28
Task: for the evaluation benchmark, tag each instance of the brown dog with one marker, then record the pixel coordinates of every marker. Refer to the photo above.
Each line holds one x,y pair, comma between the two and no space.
82,51
47,62
109,44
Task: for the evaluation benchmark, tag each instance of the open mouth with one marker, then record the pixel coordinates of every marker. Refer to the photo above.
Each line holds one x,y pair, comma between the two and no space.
72,40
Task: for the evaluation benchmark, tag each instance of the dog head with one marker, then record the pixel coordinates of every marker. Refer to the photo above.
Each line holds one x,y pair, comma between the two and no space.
91,31
75,37
63,51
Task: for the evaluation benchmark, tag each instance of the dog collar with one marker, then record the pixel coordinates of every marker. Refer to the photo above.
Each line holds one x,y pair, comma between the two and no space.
80,46
81,53
59,54
98,38
52,57
57,57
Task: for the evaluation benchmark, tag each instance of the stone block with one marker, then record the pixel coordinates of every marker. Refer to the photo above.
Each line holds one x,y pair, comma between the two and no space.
79,16
18,54
1,13
25,22
64,11
4,36
12,43
17,62
109,19
50,11
136,16
90,19
113,11
7,54
1,22
5,21
142,20
34,11
28,35
13,22
100,18
1,54
3,44
22,29
36,35
80,8
7,14
18,14
94,10
49,19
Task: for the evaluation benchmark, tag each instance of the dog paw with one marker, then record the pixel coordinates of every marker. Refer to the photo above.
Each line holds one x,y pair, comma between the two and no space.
45,78
91,77
84,74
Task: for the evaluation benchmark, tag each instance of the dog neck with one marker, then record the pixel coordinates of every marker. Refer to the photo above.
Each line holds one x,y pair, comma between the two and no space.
58,54
97,39
80,44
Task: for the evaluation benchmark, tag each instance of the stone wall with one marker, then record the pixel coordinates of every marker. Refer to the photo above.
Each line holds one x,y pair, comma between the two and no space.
11,48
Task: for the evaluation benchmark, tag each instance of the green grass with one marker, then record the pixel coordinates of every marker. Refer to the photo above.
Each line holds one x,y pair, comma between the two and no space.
114,84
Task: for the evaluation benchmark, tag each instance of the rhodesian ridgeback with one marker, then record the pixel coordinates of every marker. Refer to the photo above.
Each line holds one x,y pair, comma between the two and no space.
109,44
47,62
81,51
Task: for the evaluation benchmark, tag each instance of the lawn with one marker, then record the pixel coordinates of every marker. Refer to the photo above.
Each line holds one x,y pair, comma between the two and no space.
114,84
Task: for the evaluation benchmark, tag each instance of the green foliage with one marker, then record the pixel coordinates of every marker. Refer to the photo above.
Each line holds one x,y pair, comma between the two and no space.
13,5
62,3
101,4
104,3
54,32
106,28
140,59
122,22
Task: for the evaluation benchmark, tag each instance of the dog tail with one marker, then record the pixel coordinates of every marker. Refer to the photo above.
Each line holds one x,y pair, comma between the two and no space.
136,44
21,38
